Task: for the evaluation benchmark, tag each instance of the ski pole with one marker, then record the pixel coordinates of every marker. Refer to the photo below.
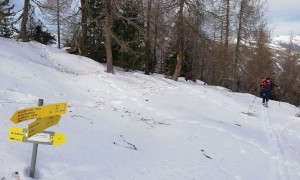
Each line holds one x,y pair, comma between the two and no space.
254,99
279,96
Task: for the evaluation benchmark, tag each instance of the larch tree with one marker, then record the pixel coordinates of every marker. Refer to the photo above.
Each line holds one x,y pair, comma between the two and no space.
148,32
108,35
289,78
54,12
180,39
225,48
223,28
248,18
84,26
260,63
23,33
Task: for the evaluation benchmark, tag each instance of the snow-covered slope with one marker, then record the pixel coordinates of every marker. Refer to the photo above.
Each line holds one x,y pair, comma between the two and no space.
131,126
286,40
279,45
281,42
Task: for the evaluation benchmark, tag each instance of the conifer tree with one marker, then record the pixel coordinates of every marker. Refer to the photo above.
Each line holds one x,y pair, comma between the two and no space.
95,37
7,23
126,28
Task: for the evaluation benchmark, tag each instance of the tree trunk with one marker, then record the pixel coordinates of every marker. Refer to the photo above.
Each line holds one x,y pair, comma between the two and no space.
58,24
157,14
84,17
107,32
24,21
180,42
226,46
238,44
148,46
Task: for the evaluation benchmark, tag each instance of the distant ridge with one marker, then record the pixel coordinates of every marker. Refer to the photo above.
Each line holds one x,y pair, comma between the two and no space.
278,40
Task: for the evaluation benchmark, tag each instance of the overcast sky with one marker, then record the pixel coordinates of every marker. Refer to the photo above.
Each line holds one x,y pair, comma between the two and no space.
283,16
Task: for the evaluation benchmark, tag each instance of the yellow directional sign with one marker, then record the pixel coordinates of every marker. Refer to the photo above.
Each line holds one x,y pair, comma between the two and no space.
41,124
39,112
16,134
58,139
45,137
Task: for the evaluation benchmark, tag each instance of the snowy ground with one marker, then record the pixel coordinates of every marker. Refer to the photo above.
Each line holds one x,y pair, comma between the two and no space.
287,40
129,126
278,42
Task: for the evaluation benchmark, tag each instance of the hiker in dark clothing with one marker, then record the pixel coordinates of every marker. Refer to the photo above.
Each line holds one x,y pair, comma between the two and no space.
266,86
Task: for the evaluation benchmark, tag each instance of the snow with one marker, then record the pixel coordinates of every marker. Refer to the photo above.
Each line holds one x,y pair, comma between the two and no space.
276,41
129,126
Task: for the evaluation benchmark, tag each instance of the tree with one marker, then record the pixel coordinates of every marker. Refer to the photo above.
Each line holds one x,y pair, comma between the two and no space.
249,16
260,63
7,23
222,35
42,36
71,34
225,14
54,12
84,20
185,38
290,77
148,45
94,47
128,47
24,21
32,24
1,14
180,39
108,35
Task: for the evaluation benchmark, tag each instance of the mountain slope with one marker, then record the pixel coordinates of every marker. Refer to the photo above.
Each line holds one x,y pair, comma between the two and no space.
284,41
132,126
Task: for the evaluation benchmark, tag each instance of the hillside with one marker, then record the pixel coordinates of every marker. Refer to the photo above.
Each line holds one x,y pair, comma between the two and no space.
283,41
279,45
127,125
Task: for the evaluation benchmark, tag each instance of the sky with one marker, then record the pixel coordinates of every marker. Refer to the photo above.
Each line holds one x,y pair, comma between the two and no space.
284,17
131,126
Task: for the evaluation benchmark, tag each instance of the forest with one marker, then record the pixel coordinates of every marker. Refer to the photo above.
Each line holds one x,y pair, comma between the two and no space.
221,42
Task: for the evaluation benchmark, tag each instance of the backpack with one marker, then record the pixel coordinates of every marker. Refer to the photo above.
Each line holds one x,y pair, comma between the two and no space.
265,84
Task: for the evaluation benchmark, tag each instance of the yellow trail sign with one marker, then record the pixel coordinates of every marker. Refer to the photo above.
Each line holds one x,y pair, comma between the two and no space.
39,112
16,134
45,137
41,124
58,139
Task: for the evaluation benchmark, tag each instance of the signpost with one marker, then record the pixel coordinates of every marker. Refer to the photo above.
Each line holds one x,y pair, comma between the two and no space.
34,149
42,123
45,137
46,116
38,112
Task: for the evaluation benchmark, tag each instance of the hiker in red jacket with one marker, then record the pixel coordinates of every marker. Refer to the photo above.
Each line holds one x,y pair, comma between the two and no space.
266,86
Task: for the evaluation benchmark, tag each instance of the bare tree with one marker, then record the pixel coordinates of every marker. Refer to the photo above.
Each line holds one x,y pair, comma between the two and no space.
23,32
54,12
108,35
84,21
260,63
148,46
180,39
223,28
249,15
290,77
